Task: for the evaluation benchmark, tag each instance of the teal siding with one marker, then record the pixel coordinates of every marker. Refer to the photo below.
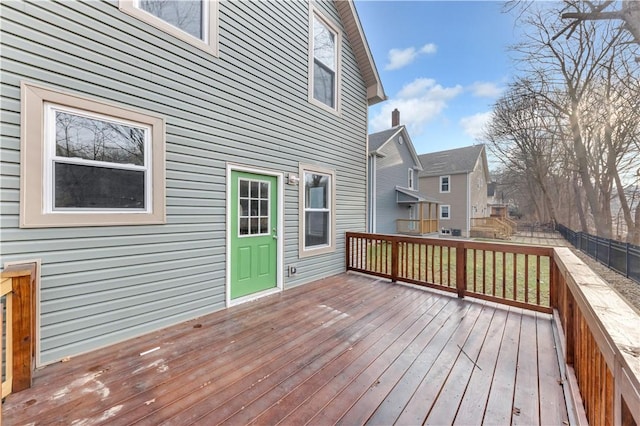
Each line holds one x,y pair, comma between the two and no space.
101,285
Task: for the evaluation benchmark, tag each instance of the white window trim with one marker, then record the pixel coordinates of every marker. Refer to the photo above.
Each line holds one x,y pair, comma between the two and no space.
411,181
442,206
50,156
209,43
331,247
313,11
35,198
449,184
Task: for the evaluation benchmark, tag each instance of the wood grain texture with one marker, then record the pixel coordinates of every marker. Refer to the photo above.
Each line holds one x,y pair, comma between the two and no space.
349,349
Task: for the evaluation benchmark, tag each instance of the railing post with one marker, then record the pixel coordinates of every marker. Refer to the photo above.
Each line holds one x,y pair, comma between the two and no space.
626,263
23,327
394,259
347,251
553,283
461,269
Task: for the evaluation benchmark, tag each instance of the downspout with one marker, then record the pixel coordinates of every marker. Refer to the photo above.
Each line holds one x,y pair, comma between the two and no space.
468,205
374,201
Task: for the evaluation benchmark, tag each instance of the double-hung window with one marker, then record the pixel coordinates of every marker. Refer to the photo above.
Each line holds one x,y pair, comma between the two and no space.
445,212
95,162
318,208
325,62
89,163
445,185
193,21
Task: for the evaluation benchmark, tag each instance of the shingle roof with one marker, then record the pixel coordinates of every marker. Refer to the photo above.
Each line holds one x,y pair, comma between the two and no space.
412,196
376,140
450,162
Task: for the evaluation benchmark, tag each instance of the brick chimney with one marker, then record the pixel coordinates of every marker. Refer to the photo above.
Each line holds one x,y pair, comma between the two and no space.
395,118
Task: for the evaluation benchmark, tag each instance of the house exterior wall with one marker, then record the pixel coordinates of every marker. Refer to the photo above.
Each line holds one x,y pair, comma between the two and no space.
478,191
456,199
392,170
248,105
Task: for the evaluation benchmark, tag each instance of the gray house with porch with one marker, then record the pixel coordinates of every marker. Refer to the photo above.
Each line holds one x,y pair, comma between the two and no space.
164,160
395,204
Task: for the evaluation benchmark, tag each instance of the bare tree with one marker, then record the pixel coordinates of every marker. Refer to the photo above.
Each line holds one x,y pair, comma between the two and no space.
522,136
574,67
628,12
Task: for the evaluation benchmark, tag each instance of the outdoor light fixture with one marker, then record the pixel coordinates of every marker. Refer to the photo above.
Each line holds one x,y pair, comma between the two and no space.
292,179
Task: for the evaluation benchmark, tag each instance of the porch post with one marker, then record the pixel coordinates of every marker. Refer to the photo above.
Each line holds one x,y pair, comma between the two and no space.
421,218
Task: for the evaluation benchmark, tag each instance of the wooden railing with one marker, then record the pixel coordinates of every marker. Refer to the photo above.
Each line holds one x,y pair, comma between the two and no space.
416,226
601,342
511,274
494,223
511,223
599,332
18,328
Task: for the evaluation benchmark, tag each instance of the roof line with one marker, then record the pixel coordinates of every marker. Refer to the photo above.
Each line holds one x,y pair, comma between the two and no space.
353,28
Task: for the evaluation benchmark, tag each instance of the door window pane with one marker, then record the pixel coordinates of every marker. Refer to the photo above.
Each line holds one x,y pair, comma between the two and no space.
253,212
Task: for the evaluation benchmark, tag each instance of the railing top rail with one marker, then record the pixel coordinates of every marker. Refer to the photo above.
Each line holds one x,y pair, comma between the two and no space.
14,271
477,245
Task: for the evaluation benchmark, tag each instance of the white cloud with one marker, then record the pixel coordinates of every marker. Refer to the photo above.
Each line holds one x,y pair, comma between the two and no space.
416,88
399,58
429,48
485,89
419,102
474,125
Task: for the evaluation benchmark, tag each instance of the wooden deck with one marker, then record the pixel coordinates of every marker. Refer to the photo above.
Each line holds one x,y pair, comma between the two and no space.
348,349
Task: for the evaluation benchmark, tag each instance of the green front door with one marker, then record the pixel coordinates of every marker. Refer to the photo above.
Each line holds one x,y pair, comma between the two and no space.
254,245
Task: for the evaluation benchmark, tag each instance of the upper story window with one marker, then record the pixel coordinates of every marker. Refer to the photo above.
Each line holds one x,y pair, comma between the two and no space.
325,62
317,227
411,181
88,163
445,185
194,21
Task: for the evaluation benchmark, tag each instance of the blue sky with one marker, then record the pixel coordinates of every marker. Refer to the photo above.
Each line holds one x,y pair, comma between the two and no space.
442,64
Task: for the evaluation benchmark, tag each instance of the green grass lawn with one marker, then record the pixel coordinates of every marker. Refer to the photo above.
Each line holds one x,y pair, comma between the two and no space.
488,272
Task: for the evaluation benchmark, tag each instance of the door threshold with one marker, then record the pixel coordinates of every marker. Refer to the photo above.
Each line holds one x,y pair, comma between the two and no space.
254,296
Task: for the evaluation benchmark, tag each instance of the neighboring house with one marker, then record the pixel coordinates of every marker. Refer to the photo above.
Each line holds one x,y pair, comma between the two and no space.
164,160
394,203
458,179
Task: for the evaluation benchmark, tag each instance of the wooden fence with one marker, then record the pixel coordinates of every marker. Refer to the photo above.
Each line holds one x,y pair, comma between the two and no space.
599,332
18,328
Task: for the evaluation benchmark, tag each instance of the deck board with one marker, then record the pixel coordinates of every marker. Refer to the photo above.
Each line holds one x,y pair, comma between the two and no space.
348,349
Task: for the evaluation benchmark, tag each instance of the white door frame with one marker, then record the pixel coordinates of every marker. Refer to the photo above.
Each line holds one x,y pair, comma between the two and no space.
231,167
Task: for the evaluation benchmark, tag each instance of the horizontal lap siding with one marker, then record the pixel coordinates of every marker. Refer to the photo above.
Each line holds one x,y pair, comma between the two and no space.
392,170
249,106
